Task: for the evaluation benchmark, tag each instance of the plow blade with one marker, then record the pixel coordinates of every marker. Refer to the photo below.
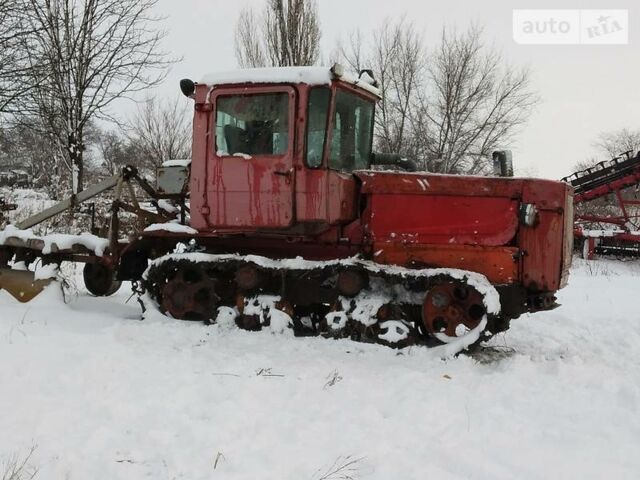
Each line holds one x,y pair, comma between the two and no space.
21,284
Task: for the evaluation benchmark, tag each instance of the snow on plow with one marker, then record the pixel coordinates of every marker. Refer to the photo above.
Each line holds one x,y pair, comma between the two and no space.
23,247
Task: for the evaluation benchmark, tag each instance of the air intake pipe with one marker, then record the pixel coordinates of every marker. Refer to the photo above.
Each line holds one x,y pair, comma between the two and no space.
393,159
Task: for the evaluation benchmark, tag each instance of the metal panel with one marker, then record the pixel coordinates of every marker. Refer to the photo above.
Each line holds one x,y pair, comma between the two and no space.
436,219
66,204
172,180
434,184
544,245
256,192
498,264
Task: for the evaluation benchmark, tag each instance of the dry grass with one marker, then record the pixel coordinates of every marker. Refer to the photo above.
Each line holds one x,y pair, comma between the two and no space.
342,468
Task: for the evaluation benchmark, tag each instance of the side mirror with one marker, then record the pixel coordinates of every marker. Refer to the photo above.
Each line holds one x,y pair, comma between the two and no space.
502,163
187,87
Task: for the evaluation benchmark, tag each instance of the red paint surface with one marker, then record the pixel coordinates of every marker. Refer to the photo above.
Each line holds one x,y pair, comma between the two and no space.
236,192
422,218
341,197
547,246
498,264
247,192
428,211
311,198
462,222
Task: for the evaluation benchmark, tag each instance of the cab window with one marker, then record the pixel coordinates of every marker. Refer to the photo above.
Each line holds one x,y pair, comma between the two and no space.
352,128
317,113
256,124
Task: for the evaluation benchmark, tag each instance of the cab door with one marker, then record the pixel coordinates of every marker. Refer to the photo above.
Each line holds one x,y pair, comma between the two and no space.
250,175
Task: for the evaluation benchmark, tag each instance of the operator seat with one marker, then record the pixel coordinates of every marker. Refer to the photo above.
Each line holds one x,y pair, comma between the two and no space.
236,139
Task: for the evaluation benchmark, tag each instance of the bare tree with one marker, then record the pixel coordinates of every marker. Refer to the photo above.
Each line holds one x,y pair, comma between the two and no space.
248,43
351,52
614,143
13,62
448,108
398,58
160,132
85,54
478,102
115,151
19,466
610,145
8,33
23,146
285,33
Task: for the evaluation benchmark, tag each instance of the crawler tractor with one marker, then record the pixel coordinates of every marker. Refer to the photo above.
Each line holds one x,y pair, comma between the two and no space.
286,218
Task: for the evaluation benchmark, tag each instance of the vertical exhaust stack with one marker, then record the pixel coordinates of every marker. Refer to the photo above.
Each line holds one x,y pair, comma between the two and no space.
503,163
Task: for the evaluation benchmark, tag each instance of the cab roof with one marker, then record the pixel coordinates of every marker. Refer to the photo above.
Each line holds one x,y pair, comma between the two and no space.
307,75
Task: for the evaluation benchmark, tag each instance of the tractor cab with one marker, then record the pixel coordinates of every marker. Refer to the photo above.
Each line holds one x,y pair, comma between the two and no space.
275,148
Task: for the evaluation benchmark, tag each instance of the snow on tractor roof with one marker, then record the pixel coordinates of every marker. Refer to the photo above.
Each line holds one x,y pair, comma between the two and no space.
308,75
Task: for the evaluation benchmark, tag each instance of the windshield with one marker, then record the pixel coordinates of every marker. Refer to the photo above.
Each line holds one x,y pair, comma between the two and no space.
351,134
255,124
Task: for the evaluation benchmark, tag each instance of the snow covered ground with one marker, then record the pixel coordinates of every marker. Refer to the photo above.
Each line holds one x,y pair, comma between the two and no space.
105,396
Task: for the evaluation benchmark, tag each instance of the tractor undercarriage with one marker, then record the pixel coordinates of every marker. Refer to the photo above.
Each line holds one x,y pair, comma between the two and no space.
350,298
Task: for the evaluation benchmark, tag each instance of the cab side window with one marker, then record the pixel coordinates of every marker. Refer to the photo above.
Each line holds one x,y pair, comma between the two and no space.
317,112
255,124
352,129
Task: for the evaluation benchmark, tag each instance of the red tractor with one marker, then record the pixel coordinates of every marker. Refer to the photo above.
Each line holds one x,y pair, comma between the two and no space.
293,223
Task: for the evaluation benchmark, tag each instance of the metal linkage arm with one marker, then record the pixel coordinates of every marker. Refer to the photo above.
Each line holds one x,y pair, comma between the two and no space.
70,202
146,186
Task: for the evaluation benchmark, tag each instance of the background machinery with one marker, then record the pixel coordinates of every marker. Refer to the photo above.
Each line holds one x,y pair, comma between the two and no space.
607,180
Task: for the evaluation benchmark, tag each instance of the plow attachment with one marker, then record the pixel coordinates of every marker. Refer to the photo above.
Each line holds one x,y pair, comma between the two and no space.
100,255
21,284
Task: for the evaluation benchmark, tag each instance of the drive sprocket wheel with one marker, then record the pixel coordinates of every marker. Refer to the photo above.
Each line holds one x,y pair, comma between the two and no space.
451,309
190,295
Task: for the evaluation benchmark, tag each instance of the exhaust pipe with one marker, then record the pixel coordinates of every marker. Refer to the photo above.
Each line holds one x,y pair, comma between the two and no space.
393,159
502,163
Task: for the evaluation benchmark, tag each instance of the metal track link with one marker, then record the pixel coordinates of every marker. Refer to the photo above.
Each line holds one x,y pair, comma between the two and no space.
331,299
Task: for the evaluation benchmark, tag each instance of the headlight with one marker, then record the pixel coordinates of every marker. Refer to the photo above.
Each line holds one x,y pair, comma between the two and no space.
528,214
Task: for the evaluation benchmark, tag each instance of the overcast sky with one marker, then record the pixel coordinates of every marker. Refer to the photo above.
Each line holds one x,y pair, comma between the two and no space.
585,89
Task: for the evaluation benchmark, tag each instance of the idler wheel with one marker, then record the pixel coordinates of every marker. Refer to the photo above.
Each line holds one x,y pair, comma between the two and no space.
450,309
100,279
247,277
190,295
